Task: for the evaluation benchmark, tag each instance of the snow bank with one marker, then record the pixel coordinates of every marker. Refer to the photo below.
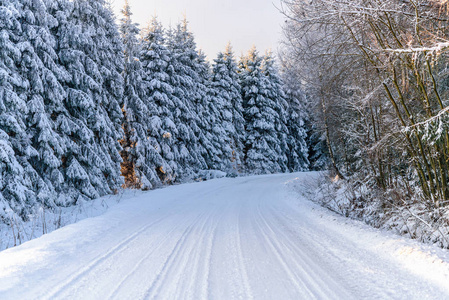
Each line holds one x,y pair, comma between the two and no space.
42,221
411,218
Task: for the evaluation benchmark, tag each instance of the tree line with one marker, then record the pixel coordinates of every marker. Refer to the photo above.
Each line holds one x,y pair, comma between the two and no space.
88,105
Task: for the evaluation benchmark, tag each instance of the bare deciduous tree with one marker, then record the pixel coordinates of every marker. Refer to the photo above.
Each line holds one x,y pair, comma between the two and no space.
377,74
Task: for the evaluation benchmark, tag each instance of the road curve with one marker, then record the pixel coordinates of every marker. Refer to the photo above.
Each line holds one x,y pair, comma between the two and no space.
243,238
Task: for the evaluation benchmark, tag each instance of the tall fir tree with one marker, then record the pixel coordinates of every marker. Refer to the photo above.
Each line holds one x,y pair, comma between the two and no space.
275,93
261,152
44,97
108,55
91,52
298,154
189,153
15,186
212,136
226,84
157,65
141,160
16,191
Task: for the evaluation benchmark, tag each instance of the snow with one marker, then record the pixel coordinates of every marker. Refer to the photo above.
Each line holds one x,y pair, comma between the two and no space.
43,220
228,238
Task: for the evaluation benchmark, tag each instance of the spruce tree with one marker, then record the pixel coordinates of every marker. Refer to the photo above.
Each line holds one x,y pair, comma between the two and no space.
91,52
16,191
226,85
157,65
275,93
261,153
213,137
189,153
44,97
141,160
298,154
15,187
108,55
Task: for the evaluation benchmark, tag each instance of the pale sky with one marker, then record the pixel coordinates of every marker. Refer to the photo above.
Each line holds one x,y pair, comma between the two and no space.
216,22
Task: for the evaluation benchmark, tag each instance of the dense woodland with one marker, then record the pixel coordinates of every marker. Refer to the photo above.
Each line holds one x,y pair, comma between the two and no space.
90,104
376,78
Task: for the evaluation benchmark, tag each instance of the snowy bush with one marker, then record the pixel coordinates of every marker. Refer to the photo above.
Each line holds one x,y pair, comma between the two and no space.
204,175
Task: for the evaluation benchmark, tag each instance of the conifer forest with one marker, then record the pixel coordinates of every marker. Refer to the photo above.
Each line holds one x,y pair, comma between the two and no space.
89,103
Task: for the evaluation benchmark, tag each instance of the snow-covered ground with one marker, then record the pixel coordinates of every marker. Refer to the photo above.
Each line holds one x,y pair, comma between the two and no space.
43,221
240,238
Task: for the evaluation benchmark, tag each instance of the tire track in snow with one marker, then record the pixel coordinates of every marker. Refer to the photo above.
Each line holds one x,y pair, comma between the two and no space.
298,282
205,293
228,276
196,262
194,253
97,261
321,284
172,258
160,245
241,261
191,278
117,249
190,255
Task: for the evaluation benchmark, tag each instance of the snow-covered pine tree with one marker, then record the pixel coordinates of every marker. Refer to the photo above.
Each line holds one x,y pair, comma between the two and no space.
16,190
189,152
90,50
316,142
226,85
156,63
274,89
141,160
108,55
261,153
212,136
298,153
44,96
301,106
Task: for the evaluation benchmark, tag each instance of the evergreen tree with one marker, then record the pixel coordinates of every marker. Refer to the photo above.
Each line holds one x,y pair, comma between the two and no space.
108,55
261,114
298,153
318,153
15,188
185,80
213,137
141,160
226,85
275,93
90,50
16,191
44,97
157,65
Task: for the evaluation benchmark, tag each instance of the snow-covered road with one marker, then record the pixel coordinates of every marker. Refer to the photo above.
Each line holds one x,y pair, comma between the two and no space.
244,238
